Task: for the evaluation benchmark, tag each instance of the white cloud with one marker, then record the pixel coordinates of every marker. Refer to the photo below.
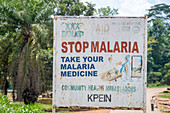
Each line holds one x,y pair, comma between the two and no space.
133,7
101,3
128,7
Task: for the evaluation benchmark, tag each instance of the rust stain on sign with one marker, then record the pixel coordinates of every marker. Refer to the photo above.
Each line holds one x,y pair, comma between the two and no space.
55,17
113,108
56,52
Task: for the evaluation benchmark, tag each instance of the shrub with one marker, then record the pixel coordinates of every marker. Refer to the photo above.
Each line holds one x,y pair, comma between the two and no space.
6,106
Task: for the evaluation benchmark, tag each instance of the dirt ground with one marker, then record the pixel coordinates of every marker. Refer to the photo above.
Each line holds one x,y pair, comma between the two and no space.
150,92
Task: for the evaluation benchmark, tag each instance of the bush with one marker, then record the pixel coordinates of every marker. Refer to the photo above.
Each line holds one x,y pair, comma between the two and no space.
157,83
6,106
30,96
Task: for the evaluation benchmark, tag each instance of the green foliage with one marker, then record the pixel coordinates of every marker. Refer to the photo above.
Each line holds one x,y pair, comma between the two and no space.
74,8
26,31
45,106
164,95
158,44
107,11
155,77
159,11
26,39
153,85
156,84
90,9
6,106
158,55
70,7
167,73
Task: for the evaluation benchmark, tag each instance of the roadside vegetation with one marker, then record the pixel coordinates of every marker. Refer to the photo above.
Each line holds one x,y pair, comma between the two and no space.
158,56
6,106
157,85
164,95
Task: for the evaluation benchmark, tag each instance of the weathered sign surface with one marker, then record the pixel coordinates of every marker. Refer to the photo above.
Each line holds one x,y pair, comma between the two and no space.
99,62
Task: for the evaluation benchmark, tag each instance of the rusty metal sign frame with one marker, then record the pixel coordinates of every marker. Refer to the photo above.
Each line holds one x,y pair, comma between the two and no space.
85,107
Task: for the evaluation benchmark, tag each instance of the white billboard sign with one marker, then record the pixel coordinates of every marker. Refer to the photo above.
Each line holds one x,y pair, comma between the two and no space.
100,62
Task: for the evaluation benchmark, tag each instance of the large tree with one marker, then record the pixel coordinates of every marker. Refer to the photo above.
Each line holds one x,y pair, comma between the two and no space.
25,24
158,42
26,39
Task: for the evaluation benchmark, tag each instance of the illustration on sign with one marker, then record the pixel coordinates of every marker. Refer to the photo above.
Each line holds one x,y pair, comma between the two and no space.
136,66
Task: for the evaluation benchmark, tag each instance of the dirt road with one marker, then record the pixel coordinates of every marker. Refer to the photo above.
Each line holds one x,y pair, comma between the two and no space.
150,92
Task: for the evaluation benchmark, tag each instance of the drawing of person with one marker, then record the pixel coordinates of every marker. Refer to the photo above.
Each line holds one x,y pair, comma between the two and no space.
125,70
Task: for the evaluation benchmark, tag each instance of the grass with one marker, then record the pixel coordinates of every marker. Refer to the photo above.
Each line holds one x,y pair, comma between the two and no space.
164,111
155,86
43,106
164,95
7,106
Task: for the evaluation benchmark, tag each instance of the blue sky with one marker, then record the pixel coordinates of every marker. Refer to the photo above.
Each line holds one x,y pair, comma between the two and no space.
128,7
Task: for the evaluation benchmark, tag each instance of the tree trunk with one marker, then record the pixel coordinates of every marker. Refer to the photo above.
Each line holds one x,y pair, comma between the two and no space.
4,90
20,76
6,86
13,88
28,79
4,78
35,75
